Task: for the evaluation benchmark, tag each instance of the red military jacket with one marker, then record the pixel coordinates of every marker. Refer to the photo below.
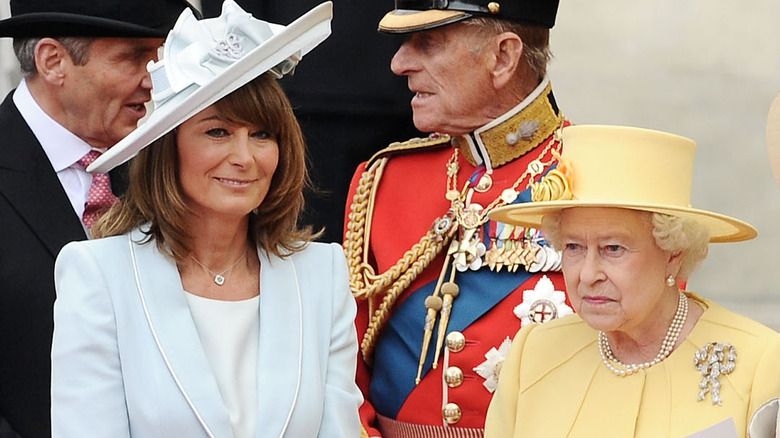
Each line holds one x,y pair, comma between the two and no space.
406,194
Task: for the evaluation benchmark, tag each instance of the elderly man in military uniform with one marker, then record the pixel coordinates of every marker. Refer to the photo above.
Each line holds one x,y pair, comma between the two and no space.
441,288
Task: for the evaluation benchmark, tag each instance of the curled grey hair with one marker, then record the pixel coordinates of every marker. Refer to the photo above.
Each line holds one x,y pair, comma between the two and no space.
24,48
536,40
671,233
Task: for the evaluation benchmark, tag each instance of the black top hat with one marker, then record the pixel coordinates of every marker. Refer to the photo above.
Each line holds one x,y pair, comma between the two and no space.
415,15
92,18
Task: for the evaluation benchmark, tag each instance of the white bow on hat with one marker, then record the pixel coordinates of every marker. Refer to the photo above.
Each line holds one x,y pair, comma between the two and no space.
197,51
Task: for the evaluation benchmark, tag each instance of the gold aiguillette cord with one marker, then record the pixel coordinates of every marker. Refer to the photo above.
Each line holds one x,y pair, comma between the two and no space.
449,291
433,303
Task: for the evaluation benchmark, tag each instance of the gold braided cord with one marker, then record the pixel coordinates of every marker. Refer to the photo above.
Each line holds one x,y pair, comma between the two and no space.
363,281
379,317
354,240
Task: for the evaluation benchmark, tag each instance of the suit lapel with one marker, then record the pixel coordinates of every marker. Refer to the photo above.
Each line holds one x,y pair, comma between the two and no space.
280,341
30,184
279,353
177,338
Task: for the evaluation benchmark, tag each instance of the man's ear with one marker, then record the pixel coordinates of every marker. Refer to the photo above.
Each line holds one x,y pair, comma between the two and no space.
51,60
509,49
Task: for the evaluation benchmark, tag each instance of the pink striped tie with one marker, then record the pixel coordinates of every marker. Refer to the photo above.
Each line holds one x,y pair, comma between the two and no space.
100,197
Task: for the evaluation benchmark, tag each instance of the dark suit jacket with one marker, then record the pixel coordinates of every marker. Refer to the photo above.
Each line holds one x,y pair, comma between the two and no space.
36,221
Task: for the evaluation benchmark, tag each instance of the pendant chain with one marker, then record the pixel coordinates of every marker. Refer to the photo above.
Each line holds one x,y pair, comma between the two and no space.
219,278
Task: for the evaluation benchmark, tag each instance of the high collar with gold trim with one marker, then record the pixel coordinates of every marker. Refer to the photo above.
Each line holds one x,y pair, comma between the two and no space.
518,131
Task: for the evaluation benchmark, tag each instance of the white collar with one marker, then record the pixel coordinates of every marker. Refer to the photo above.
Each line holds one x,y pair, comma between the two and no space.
62,147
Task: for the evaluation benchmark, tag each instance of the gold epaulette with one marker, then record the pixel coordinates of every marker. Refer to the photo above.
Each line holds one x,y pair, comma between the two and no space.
433,140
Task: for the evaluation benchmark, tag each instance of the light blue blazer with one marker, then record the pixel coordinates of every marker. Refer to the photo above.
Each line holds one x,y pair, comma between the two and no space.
127,360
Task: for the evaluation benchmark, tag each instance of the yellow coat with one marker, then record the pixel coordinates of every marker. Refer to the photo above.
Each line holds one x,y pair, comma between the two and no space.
553,383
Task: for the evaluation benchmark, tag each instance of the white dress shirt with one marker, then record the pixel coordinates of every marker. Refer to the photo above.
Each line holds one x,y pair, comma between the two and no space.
62,147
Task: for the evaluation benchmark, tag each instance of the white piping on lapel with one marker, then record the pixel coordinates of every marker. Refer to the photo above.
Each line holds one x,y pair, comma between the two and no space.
300,349
159,345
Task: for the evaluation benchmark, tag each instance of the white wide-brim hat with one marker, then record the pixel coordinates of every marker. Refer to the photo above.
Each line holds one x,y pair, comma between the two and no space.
624,167
205,60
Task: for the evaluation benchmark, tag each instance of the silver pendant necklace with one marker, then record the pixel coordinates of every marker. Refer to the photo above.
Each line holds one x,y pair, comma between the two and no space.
219,278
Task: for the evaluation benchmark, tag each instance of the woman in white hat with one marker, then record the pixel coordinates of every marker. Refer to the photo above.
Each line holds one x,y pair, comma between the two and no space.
641,357
209,313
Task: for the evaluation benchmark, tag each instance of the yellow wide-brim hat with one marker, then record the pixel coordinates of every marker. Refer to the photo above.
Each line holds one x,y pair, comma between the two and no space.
773,137
624,167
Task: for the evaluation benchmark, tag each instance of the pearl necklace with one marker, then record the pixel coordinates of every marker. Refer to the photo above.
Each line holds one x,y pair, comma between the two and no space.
672,334
219,277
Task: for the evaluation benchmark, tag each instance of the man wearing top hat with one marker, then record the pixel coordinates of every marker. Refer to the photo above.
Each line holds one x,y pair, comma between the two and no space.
441,289
85,87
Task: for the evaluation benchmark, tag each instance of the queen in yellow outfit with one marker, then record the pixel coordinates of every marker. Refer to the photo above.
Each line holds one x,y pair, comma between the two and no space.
641,357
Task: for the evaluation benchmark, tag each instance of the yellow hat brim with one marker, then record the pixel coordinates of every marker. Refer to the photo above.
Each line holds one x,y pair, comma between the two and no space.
722,228
625,167
406,20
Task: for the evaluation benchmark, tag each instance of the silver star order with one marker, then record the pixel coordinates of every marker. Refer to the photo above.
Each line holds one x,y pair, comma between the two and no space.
490,369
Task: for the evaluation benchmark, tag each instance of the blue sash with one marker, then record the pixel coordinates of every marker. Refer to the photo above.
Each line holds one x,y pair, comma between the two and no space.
398,351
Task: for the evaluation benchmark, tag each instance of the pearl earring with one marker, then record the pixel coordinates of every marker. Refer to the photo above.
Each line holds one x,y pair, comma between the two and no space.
670,281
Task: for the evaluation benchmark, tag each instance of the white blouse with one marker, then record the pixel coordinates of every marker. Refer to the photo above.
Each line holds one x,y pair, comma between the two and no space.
229,332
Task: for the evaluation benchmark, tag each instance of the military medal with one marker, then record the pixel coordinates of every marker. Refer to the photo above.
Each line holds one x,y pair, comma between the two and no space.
467,251
490,369
542,303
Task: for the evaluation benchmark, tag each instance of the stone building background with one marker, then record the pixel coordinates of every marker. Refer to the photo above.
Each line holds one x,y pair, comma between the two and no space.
704,69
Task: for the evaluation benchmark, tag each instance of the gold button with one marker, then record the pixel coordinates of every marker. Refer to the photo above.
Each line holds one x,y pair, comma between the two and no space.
456,341
453,376
451,413
494,7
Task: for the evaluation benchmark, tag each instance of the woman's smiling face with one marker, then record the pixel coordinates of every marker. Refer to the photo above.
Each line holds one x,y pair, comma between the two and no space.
225,168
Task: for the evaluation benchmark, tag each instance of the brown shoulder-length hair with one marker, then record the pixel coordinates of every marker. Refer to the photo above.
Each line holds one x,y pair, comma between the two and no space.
155,194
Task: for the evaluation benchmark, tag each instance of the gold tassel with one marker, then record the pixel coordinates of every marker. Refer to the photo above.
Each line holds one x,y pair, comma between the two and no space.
449,291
